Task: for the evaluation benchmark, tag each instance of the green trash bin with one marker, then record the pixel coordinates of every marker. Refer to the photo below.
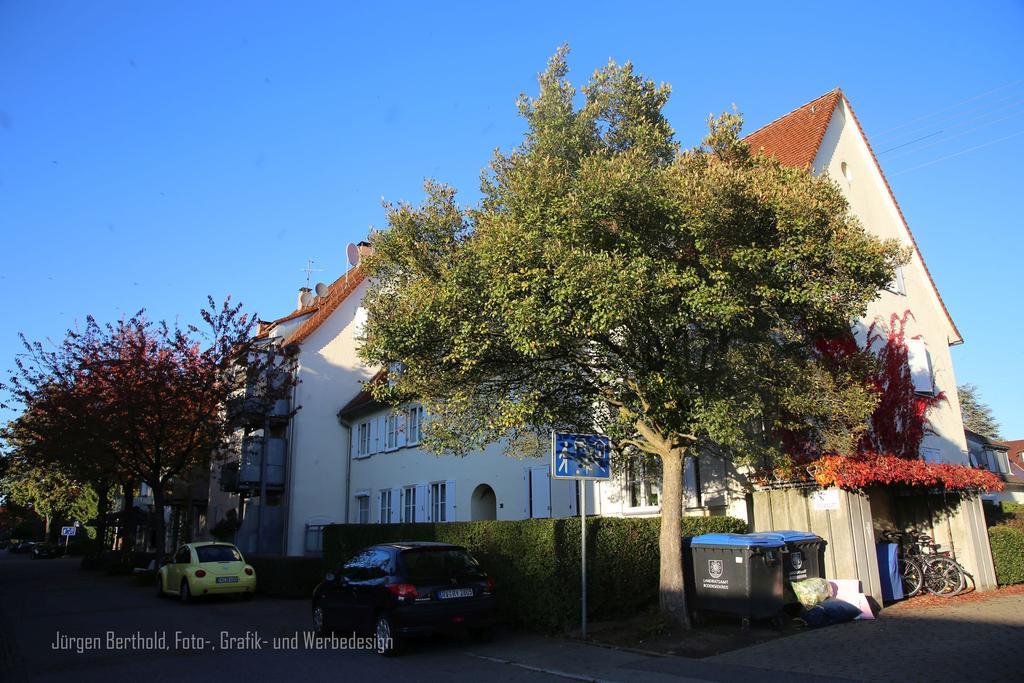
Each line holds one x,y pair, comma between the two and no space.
739,575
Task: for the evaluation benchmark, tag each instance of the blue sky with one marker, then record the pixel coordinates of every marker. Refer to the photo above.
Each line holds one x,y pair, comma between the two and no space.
152,153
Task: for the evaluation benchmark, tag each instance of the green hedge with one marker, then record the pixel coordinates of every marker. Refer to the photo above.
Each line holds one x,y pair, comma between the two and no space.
1007,554
536,562
287,577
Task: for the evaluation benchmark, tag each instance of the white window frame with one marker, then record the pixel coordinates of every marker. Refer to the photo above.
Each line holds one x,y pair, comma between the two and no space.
362,508
438,501
391,432
414,425
408,505
649,491
363,438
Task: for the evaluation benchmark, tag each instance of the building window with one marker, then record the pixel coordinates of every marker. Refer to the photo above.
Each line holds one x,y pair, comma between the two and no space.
314,538
385,506
362,509
409,504
643,486
391,432
897,285
364,439
414,425
438,501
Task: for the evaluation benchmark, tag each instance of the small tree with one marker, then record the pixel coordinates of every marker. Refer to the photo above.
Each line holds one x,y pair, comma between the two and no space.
608,281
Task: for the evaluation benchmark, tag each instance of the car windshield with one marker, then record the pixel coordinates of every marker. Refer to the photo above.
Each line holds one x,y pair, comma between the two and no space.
218,553
425,563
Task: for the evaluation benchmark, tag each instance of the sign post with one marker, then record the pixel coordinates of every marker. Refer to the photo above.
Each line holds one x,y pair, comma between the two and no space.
583,457
67,532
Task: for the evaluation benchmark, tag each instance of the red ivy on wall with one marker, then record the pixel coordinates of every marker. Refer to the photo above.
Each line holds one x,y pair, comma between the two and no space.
889,452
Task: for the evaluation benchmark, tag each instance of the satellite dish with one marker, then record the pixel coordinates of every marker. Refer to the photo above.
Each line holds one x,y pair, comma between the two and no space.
306,298
322,289
353,254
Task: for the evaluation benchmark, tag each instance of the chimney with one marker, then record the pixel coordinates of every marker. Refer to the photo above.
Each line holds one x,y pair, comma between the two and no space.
305,298
364,249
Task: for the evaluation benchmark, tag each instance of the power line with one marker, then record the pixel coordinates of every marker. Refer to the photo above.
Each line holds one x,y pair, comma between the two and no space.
959,134
969,116
945,109
892,149
956,154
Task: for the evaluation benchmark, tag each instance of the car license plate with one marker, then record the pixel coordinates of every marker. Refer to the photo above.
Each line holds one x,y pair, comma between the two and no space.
455,593
227,579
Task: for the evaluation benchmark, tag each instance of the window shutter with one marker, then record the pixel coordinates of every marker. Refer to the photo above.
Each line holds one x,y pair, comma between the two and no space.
402,428
920,366
449,499
396,506
421,502
713,480
540,487
901,286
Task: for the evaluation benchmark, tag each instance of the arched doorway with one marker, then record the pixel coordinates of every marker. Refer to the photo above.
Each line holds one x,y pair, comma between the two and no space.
484,504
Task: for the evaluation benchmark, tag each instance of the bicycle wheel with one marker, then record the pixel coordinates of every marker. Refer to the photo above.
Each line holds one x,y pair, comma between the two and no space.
912,576
944,577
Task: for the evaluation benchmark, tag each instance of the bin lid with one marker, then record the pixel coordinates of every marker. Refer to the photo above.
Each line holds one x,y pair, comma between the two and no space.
737,541
789,536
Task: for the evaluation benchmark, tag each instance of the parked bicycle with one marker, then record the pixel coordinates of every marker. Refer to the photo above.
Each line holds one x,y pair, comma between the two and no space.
923,565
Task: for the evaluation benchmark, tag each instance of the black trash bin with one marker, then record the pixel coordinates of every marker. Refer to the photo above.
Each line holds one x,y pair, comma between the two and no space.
805,559
737,574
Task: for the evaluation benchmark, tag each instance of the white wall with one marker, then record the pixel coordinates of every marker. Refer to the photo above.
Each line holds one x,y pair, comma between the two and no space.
329,376
412,466
870,201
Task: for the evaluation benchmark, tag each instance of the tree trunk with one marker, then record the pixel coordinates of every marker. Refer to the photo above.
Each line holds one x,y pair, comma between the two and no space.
672,590
158,516
46,529
102,508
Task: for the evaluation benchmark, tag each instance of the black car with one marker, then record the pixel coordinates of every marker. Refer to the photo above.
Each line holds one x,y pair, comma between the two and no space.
41,551
398,590
21,547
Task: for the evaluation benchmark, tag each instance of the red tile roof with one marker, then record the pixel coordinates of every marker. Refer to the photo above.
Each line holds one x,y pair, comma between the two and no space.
794,139
340,290
1016,450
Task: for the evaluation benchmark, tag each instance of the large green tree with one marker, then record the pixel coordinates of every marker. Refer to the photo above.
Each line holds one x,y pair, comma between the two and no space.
608,280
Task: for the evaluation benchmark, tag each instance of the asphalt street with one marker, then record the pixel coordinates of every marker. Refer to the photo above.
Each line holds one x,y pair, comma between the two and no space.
60,623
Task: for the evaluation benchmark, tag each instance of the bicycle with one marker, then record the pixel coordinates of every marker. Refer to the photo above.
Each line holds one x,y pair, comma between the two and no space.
934,571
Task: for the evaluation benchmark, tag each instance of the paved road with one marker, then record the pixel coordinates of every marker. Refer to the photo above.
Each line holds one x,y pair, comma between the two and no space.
42,601
55,620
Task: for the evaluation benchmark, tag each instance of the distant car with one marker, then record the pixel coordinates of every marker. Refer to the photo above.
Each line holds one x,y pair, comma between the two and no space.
46,551
210,568
21,547
398,590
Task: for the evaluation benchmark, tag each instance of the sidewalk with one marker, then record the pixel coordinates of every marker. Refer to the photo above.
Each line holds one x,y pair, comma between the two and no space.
973,640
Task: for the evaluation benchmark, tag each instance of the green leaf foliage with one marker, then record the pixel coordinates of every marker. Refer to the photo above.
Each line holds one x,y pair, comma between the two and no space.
536,562
1007,553
609,280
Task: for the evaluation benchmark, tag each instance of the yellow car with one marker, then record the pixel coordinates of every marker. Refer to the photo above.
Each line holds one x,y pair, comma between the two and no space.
206,569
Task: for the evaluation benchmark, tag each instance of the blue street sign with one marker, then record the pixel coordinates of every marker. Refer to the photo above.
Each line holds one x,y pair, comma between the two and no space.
67,531
580,456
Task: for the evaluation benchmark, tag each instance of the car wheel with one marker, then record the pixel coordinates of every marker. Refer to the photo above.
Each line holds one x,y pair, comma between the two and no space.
386,637
185,594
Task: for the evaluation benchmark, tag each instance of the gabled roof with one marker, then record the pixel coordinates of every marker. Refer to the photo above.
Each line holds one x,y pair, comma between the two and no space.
339,291
795,139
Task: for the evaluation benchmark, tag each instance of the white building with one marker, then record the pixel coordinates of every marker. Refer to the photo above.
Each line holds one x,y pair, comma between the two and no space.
348,458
